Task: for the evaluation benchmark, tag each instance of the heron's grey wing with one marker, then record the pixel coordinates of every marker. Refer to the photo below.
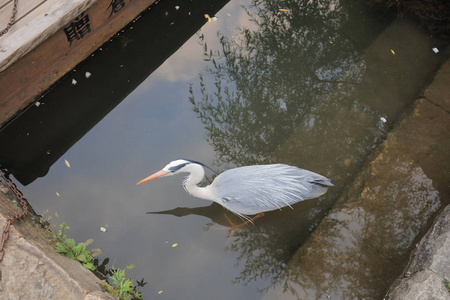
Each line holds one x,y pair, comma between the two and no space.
255,189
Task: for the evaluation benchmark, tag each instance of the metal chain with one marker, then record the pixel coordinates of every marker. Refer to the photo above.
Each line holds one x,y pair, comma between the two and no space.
11,20
9,221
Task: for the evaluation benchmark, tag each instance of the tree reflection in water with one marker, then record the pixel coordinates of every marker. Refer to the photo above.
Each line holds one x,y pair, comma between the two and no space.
270,80
285,91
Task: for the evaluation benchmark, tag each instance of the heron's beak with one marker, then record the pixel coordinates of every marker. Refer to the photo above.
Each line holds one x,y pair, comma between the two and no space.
154,176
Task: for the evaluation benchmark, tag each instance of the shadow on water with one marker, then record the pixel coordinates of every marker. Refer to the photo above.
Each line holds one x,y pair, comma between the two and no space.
69,111
313,84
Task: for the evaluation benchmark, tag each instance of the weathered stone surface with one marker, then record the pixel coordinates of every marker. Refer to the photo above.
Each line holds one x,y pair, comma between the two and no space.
424,285
433,251
31,267
429,265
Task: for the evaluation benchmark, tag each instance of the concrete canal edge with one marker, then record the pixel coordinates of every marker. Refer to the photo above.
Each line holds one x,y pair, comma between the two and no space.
32,268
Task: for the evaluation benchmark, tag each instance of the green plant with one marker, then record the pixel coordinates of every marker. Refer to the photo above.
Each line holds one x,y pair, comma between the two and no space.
45,220
123,288
78,251
447,283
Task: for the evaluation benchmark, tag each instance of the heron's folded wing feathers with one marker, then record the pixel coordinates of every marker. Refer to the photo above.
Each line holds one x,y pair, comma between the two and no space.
260,188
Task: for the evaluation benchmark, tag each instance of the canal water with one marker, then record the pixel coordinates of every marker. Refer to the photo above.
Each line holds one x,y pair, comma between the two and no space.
316,84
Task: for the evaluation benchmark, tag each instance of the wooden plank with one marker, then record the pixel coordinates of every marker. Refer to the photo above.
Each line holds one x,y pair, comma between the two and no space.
23,9
36,71
36,26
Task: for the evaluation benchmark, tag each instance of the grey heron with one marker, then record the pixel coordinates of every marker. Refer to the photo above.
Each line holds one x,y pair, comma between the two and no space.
249,190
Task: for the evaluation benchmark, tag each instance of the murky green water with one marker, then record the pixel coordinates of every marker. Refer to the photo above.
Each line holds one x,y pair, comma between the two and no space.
313,84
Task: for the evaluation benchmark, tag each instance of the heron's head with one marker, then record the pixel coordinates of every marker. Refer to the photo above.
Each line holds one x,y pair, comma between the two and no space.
174,167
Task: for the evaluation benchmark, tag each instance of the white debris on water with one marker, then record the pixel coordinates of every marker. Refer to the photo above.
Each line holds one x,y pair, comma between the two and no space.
74,81
383,119
435,50
87,74
37,103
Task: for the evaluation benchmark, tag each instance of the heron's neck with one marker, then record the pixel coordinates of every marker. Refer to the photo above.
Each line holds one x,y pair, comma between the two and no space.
195,177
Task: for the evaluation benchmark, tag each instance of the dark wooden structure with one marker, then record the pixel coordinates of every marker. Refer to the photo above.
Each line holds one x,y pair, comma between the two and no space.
49,38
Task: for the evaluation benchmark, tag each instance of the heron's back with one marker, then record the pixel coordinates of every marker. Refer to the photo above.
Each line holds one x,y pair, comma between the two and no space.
255,189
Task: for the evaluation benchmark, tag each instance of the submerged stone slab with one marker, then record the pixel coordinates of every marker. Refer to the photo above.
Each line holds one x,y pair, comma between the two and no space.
333,264
439,90
31,267
393,80
364,243
430,263
405,184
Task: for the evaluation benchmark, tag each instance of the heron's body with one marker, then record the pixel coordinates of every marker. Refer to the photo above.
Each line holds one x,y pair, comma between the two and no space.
250,190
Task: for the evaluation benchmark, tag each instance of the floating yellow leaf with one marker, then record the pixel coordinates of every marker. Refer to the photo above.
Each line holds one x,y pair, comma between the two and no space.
160,292
57,194
208,17
347,162
393,52
174,245
282,9
67,163
103,229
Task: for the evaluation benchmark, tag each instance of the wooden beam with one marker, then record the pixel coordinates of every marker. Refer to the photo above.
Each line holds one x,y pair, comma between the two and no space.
35,22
